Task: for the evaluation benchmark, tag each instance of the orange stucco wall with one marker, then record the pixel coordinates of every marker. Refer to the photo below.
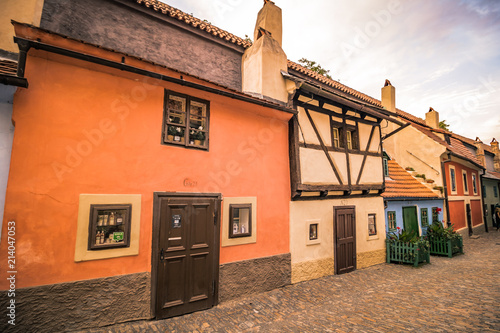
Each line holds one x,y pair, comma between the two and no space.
476,212
458,200
457,214
78,130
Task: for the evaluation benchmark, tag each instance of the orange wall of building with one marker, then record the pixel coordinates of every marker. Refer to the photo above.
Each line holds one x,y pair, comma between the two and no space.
476,212
457,207
460,183
82,131
457,214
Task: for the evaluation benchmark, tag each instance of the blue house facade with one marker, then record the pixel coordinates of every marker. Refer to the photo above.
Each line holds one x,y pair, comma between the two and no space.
409,204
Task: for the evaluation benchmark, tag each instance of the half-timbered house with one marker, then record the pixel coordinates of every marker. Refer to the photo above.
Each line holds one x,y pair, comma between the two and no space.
336,213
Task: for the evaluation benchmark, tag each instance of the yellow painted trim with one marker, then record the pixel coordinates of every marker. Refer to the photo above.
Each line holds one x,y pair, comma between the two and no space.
82,235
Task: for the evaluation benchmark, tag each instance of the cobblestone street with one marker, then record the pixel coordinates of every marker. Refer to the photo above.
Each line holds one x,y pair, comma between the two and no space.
460,294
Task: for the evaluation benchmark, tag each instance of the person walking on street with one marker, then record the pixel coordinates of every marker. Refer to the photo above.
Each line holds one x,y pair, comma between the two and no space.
497,216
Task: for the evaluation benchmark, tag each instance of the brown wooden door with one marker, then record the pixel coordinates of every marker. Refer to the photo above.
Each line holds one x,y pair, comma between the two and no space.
187,255
345,239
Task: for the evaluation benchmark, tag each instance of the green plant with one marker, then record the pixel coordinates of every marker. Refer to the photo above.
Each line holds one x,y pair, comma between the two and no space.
440,188
315,67
420,175
409,169
175,131
436,229
420,245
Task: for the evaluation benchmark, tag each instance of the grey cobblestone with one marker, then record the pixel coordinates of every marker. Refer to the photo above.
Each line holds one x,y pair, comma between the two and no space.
459,294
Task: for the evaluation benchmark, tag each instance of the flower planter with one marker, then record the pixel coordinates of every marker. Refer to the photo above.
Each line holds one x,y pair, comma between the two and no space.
407,253
446,247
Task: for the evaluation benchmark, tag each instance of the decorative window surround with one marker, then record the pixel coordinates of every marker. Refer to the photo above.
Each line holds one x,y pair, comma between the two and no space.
313,232
82,253
226,208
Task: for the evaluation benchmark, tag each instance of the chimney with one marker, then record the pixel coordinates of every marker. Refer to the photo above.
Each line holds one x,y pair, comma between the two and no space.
496,159
480,151
432,118
389,96
263,62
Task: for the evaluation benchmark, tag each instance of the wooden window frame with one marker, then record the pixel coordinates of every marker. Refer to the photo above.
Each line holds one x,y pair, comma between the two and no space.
392,225
313,231
374,224
232,207
453,180
435,214
94,226
385,164
424,218
465,182
336,137
191,137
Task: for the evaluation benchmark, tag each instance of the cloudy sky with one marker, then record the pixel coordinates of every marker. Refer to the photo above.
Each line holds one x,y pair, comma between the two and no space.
443,54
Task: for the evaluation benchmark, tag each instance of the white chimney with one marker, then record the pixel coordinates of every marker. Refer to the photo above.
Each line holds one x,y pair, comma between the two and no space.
432,118
389,96
263,62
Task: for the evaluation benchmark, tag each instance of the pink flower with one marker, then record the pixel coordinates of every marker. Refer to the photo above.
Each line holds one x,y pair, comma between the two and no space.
398,228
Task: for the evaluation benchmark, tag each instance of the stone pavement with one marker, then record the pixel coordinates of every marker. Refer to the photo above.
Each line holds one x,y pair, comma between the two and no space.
460,294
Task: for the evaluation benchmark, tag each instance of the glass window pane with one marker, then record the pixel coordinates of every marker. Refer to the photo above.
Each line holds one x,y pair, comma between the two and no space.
176,103
372,227
198,109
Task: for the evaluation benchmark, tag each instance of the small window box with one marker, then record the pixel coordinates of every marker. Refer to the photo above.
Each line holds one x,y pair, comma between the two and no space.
109,226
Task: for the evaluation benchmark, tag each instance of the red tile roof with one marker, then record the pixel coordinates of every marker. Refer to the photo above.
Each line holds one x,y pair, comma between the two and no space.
8,67
332,83
404,185
193,21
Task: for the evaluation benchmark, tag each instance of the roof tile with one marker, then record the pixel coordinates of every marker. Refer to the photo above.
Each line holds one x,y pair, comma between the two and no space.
193,21
404,185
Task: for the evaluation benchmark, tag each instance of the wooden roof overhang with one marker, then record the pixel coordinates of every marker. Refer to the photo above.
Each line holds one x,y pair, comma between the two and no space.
317,89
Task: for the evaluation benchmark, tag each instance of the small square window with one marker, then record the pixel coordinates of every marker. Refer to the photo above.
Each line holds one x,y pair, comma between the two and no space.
240,220
109,226
391,220
424,217
313,231
185,121
372,225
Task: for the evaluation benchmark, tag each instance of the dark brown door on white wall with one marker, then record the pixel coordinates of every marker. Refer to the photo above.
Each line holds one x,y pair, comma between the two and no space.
345,239
186,246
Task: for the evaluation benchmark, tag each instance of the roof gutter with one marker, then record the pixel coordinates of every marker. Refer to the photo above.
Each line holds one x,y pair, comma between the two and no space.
26,44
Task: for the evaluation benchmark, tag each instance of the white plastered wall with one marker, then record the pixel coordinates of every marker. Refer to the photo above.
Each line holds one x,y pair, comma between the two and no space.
303,212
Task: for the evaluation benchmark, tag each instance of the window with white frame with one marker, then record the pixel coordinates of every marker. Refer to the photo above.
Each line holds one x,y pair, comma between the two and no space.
466,185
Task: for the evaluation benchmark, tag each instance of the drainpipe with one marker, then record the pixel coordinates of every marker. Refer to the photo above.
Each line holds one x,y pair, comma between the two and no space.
445,189
482,199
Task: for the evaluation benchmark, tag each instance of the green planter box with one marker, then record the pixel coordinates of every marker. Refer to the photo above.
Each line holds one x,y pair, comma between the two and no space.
446,247
408,253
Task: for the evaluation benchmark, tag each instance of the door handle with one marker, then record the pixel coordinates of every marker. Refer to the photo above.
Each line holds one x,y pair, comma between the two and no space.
162,257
